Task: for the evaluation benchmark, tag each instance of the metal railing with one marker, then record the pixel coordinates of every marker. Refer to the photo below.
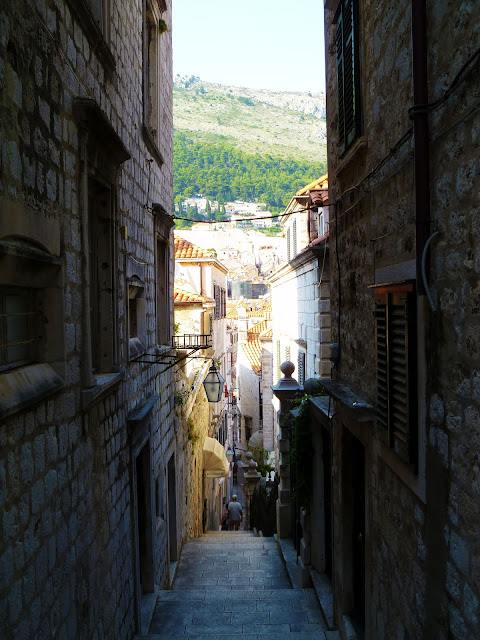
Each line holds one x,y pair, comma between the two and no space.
192,341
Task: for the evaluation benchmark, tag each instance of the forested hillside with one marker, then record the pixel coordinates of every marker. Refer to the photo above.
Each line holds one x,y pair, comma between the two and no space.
217,169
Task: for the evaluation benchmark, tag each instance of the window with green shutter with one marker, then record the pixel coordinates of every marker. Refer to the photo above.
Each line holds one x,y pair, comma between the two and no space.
395,340
348,73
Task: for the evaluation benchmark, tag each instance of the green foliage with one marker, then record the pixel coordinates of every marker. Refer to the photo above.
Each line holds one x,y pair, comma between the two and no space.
222,172
274,230
192,434
247,101
302,455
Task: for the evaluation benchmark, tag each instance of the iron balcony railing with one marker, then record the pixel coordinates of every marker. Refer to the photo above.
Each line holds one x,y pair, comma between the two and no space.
192,341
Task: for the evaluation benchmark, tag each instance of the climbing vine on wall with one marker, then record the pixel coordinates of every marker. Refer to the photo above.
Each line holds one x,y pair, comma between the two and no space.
192,434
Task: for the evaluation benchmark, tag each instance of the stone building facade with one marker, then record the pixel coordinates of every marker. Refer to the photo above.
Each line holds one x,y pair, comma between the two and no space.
401,495
87,457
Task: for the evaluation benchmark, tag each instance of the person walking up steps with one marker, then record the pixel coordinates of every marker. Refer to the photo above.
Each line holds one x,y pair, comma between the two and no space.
235,513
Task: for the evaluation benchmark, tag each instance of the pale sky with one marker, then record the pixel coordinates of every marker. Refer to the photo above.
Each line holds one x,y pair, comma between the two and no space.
262,44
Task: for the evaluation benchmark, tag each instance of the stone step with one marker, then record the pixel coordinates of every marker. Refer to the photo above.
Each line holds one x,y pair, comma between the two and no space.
293,635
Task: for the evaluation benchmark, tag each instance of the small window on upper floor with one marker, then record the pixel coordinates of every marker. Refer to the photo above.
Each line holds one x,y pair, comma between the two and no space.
348,73
154,27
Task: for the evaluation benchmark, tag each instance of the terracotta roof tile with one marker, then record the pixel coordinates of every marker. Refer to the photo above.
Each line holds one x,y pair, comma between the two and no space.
186,249
253,351
320,184
258,328
187,296
268,333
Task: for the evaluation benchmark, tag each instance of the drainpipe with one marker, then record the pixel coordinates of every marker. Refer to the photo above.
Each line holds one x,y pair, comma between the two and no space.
421,134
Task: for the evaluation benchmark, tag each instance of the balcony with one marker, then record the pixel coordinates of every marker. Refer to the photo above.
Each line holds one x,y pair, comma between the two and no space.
194,341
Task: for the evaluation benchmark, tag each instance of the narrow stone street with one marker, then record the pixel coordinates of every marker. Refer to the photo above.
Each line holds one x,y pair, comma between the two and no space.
235,584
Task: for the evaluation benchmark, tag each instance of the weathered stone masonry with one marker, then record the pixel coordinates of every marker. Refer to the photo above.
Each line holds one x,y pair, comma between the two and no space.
68,564
421,549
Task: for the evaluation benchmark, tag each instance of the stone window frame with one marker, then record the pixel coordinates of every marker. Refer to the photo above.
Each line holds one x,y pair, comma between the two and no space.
136,308
347,56
97,32
163,225
152,76
27,264
101,154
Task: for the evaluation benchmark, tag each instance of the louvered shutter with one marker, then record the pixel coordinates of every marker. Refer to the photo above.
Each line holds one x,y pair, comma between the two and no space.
382,359
395,323
294,238
289,253
347,75
301,368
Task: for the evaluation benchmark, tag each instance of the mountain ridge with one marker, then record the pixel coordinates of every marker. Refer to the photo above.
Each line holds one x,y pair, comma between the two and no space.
288,124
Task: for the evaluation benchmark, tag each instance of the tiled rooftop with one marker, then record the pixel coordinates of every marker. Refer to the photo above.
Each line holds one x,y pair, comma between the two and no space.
186,249
187,296
320,184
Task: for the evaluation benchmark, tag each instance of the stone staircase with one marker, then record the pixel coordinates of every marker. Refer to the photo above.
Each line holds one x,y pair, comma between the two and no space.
232,586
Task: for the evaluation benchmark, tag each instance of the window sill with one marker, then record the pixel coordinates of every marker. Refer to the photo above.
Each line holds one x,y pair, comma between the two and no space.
105,384
359,145
152,146
22,387
404,471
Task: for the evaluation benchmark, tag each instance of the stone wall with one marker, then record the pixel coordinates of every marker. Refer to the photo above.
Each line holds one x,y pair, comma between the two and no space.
66,562
422,576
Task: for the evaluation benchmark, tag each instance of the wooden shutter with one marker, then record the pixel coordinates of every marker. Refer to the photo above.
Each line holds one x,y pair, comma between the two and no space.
382,359
289,254
395,323
301,367
347,74
294,238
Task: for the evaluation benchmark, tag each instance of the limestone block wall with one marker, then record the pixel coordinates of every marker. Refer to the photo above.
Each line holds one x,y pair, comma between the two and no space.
422,556
66,563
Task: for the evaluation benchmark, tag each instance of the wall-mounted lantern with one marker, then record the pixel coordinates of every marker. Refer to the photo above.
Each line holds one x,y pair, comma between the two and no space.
213,385
229,454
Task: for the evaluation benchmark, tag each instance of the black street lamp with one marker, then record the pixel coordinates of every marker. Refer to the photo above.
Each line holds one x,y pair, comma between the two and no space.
213,385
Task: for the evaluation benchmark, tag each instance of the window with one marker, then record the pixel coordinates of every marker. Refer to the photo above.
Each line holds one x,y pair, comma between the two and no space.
294,233
152,75
348,73
100,11
32,347
137,329
220,297
17,327
94,19
162,293
102,315
395,338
